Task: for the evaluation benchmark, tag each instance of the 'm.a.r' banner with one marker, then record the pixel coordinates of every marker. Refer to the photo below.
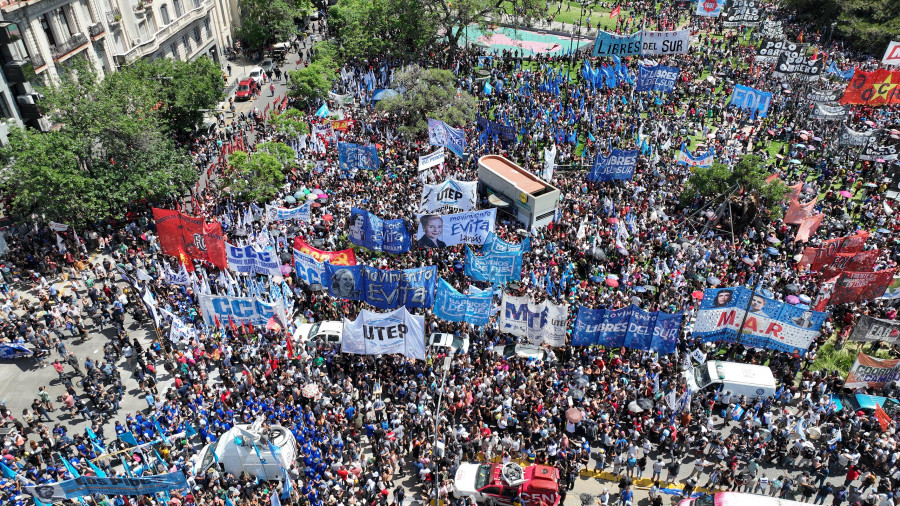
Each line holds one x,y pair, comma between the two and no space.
453,306
769,324
619,164
181,235
370,231
397,332
442,134
631,327
686,158
539,323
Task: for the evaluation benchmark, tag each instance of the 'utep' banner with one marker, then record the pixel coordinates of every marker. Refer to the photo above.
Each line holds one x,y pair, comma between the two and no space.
494,267
397,332
619,164
302,213
610,44
357,157
770,323
686,158
788,65
829,112
449,196
871,372
374,233
432,159
710,8
440,231
819,258
248,260
88,485
442,134
879,87
869,329
741,13
308,268
343,257
662,43
240,310
181,235
494,244
657,78
770,50
851,286
631,327
747,98
384,289
874,152
850,137
453,306
539,323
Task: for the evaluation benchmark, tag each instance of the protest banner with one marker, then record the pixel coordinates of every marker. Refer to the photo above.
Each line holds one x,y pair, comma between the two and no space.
851,286
611,44
302,213
453,306
868,329
308,268
850,137
494,267
829,112
819,258
686,158
503,132
860,261
240,310
494,244
873,152
397,332
249,260
371,232
539,323
808,226
449,196
663,43
710,8
769,324
442,230
657,78
442,134
798,65
619,164
872,372
113,486
741,13
892,54
184,237
770,50
384,289
798,212
879,87
824,96
431,160
893,290
357,157
631,327
343,257
744,97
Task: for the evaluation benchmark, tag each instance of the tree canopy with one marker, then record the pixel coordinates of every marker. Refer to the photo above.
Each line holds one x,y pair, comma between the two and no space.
383,28
290,123
428,93
264,21
256,177
111,150
868,25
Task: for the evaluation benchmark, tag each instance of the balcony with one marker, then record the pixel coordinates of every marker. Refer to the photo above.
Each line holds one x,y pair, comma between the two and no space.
96,30
19,71
62,50
152,44
114,16
37,61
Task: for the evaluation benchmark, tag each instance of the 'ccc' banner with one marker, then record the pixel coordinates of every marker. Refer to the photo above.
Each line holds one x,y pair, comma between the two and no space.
879,87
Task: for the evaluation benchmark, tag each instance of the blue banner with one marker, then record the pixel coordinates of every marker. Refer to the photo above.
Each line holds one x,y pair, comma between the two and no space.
237,310
769,324
507,133
308,268
453,306
745,97
370,231
494,244
442,134
619,164
657,78
88,485
384,289
494,267
357,157
302,213
442,230
610,44
686,158
631,327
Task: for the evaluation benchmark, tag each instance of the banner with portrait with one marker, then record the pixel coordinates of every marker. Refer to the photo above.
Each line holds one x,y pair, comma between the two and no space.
769,323
631,327
449,196
397,332
442,230
382,288
444,135
357,157
453,306
539,323
371,232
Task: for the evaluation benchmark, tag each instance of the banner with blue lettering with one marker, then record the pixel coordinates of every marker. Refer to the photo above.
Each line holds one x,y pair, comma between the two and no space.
88,485
770,323
610,44
357,157
302,213
449,196
539,323
384,289
745,97
619,164
370,231
442,230
248,260
384,334
240,310
494,244
308,268
491,128
442,134
494,267
631,327
686,158
657,78
453,306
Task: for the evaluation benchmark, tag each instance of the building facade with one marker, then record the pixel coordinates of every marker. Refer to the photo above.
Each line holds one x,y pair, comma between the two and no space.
39,39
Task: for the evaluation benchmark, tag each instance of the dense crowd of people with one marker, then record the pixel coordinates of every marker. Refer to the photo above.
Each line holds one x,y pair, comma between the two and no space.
372,421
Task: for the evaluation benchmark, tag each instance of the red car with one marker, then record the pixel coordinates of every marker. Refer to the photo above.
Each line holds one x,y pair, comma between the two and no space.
245,89
504,483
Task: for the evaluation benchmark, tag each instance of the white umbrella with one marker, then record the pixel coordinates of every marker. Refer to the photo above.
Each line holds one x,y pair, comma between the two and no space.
634,408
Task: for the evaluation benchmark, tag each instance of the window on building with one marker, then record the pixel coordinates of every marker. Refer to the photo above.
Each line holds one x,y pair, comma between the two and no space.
174,50
64,22
197,35
186,43
164,14
45,25
4,106
178,9
206,26
142,31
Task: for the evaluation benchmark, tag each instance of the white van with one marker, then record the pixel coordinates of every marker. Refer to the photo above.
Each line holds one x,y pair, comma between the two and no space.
739,379
737,499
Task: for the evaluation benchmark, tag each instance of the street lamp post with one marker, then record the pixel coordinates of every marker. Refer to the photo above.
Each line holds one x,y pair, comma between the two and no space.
437,417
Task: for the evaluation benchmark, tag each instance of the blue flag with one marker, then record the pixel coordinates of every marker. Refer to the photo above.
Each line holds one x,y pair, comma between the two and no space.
159,429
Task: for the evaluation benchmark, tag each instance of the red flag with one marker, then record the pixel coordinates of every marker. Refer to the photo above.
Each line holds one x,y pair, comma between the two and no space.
179,233
615,12
798,212
250,325
273,325
232,325
216,319
879,87
808,227
883,419
815,55
290,348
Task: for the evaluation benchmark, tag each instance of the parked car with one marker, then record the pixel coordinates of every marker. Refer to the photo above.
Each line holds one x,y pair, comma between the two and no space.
505,483
256,73
245,89
267,65
327,333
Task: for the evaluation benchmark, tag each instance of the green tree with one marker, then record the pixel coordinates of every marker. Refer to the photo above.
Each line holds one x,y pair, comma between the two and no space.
868,25
430,93
284,153
290,123
453,16
182,89
265,21
368,28
312,82
745,184
254,177
110,151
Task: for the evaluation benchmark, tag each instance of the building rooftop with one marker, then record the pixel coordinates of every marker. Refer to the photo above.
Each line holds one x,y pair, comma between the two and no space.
524,180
